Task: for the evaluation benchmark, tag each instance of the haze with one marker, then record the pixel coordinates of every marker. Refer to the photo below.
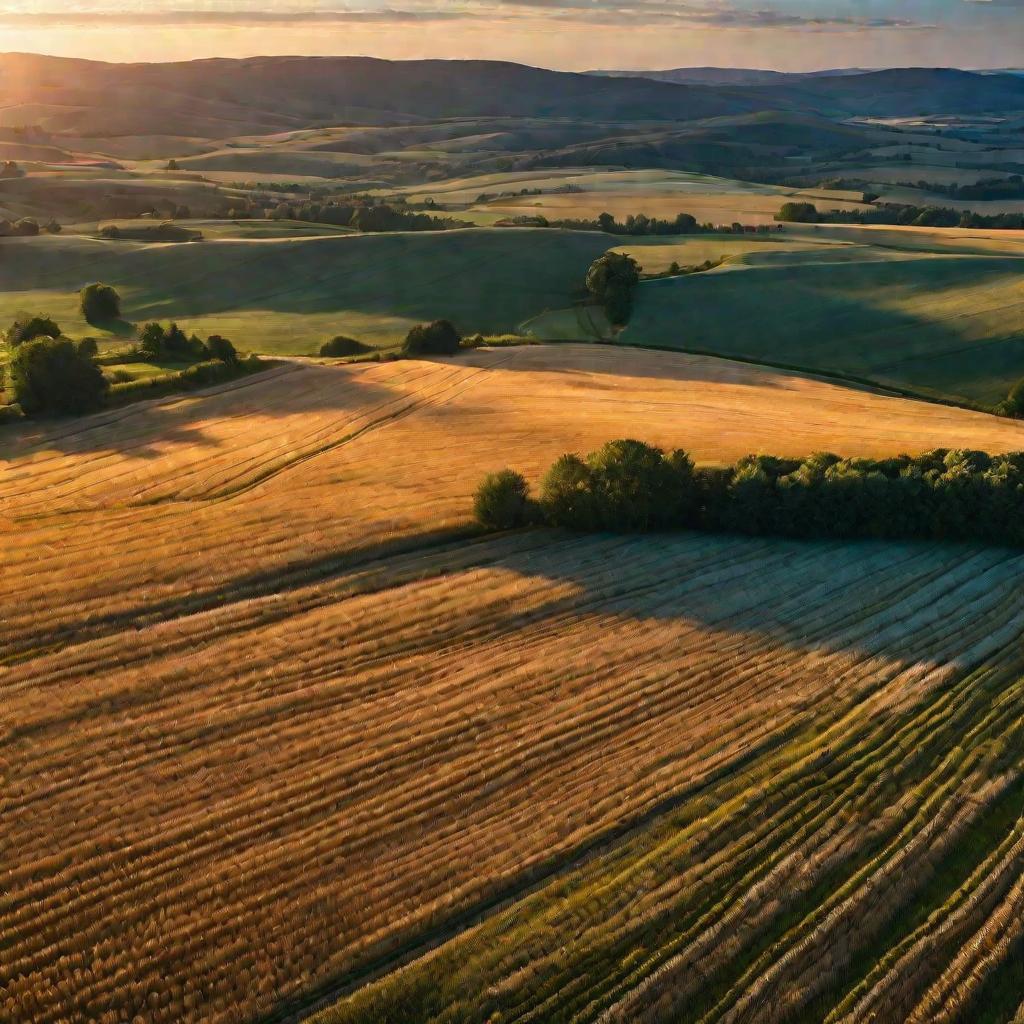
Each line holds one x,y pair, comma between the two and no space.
789,35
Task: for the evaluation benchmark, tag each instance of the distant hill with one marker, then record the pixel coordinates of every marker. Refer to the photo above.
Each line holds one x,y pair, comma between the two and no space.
730,76
900,92
701,76
895,92
219,98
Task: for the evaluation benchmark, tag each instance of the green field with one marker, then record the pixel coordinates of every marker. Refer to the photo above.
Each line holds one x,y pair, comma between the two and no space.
951,325
287,295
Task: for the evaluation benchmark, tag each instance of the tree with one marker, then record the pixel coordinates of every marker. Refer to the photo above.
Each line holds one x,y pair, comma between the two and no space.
151,341
636,488
502,501
1013,405
28,328
220,348
87,347
50,375
611,280
567,496
798,213
342,346
439,338
99,303
172,164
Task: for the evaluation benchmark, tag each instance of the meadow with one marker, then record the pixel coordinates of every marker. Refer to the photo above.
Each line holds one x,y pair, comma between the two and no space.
940,324
295,763
286,295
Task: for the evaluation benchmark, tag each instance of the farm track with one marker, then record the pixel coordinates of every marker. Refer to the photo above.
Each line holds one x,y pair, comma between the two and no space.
298,725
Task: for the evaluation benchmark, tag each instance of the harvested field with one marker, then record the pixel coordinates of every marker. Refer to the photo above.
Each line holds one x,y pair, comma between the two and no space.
404,443
296,722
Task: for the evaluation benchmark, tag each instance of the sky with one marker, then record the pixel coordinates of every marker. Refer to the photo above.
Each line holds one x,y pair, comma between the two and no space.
788,35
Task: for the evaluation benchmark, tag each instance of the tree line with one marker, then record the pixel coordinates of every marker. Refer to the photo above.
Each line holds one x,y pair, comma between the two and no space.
899,215
629,486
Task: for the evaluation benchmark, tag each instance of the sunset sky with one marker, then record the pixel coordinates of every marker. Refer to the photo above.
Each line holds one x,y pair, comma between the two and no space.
569,34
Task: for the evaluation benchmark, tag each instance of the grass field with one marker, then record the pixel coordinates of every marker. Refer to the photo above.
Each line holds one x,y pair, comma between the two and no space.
317,726
945,324
288,295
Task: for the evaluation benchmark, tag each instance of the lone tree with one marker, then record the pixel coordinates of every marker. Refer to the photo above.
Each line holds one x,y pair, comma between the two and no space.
502,501
100,302
50,375
28,328
439,338
611,280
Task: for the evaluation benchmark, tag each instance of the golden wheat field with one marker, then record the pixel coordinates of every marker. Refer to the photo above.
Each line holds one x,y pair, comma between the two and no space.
300,724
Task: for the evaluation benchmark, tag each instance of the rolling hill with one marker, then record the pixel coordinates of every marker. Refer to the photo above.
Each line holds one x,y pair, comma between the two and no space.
221,98
288,294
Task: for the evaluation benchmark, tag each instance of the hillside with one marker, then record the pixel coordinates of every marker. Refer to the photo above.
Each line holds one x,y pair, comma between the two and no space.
272,614
219,98
289,294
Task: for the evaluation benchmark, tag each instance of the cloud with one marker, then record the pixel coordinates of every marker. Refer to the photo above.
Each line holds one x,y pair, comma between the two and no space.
707,15
639,13
237,17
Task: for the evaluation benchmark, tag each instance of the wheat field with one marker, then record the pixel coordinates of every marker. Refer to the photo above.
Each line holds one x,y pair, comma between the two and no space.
299,723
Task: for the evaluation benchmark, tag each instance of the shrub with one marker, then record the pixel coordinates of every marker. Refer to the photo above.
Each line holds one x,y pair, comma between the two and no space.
11,413
121,377
502,501
87,347
439,338
50,375
28,328
100,302
342,346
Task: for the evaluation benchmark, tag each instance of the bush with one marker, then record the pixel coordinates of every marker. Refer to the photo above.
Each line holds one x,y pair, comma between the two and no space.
87,347
220,348
49,375
439,338
342,346
502,501
100,302
28,328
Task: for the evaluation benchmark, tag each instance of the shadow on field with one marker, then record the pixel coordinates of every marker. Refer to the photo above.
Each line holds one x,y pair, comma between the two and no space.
950,324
